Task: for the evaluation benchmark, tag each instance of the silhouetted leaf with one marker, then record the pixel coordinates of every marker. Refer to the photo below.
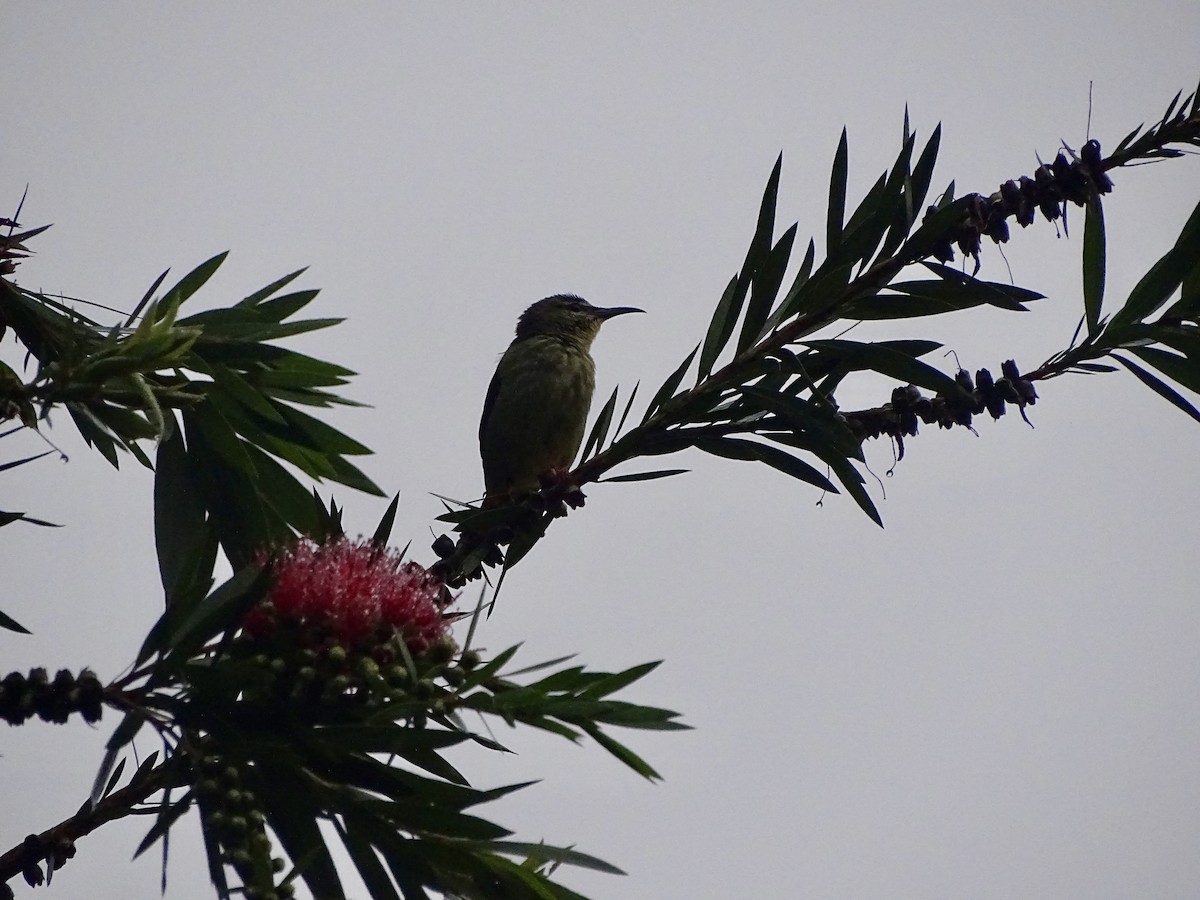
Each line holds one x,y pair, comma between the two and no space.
643,476
721,326
264,293
733,448
625,412
179,514
193,281
1179,369
837,197
1093,262
600,429
1164,277
765,288
370,869
12,464
1167,393
121,736
383,531
667,390
784,309
168,814
891,362
11,624
287,803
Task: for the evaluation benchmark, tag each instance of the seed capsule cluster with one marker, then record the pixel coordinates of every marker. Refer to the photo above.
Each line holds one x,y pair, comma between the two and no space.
303,667
980,394
1052,186
232,817
53,700
34,850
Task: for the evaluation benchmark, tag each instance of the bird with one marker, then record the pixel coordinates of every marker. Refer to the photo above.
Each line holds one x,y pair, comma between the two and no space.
538,400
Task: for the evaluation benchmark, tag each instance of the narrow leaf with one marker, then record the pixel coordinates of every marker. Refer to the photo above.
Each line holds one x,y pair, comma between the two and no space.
11,624
765,288
383,530
1093,262
667,390
1164,277
721,326
1166,392
192,281
600,427
837,197
645,476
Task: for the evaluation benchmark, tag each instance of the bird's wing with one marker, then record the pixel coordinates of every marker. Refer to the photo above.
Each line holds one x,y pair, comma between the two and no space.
489,403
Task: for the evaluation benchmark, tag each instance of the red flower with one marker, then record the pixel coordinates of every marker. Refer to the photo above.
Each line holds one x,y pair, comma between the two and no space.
354,590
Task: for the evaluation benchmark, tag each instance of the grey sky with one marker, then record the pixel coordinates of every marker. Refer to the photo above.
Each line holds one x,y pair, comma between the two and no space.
994,697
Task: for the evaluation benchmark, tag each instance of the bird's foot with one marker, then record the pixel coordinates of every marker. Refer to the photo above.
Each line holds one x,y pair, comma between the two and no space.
559,491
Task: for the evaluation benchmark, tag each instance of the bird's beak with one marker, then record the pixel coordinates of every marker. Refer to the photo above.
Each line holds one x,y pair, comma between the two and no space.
609,312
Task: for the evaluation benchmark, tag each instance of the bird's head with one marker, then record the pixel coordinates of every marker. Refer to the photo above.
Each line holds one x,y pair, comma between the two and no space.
568,317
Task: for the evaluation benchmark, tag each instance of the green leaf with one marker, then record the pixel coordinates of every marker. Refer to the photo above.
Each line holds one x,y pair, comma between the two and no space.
383,531
287,803
11,624
179,633
230,387
757,256
888,213
1093,262
911,299
281,493
784,309
936,227
192,282
837,197
889,361
824,291
168,814
1167,393
264,293
625,412
7,518
1004,296
621,752
179,515
370,869
317,435
490,668
1164,277
721,326
734,448
765,288
600,428
922,175
643,476
145,299
667,390
94,433
545,853
610,684
20,462
1179,369
279,308
1128,139
852,481
825,435
122,735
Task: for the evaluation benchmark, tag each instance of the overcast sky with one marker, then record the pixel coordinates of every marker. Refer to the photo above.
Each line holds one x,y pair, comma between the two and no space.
993,697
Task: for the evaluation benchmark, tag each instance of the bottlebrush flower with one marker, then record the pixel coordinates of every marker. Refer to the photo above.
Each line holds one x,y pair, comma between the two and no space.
353,591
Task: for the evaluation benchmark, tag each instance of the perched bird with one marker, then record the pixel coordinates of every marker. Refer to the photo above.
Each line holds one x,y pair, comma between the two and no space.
537,403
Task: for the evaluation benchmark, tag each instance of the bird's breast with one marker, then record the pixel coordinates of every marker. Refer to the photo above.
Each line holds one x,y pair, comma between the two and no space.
538,414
